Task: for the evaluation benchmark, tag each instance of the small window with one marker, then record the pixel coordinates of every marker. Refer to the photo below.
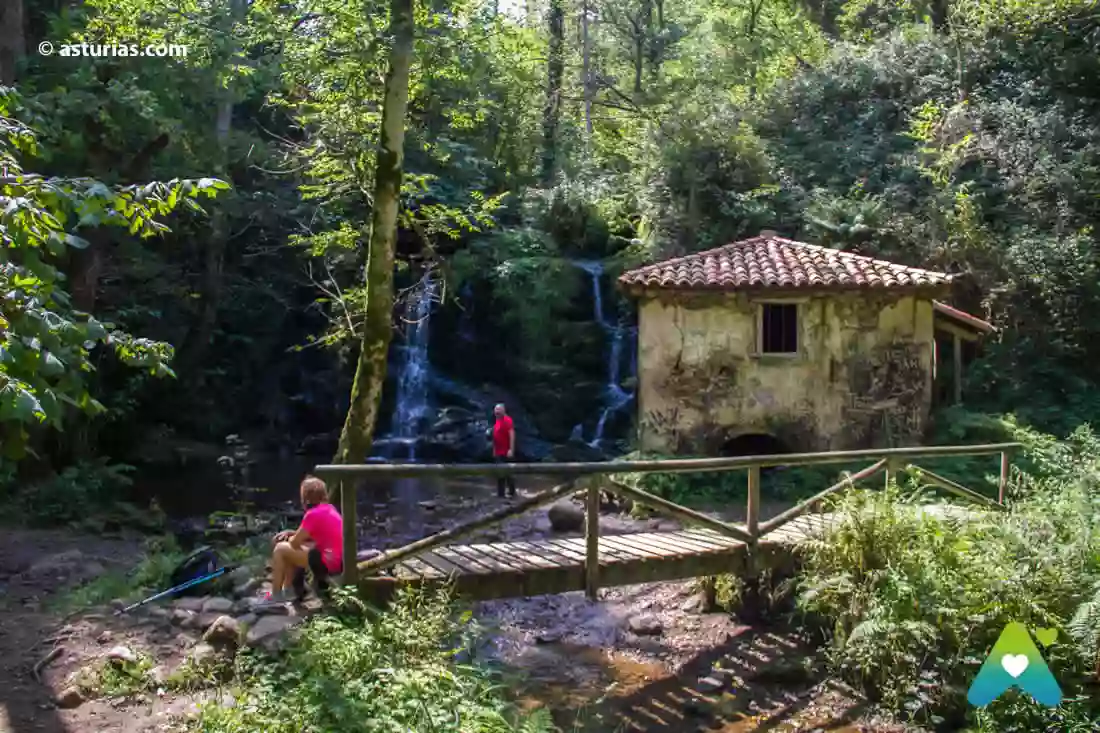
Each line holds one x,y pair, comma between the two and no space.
779,328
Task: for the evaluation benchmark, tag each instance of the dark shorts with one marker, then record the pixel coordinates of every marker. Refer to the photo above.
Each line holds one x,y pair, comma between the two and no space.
317,567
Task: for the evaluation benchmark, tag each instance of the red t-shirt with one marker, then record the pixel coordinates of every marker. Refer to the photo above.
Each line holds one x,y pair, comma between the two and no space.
502,436
326,529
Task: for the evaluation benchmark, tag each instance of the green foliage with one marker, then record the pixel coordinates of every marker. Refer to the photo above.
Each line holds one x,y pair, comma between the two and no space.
46,343
78,494
116,677
915,603
365,671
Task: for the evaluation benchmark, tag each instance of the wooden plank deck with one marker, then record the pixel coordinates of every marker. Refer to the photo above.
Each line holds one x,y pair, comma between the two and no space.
484,571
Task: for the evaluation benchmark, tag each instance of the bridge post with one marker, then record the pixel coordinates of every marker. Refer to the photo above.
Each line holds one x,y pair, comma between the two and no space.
752,511
1004,478
348,511
893,468
592,541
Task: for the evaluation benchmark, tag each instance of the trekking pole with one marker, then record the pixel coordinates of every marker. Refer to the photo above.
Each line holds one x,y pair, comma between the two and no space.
177,589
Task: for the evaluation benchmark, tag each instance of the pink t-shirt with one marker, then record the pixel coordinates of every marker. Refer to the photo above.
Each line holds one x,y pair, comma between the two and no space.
326,528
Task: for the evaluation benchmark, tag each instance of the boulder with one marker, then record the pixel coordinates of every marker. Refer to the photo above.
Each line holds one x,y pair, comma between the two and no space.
267,628
225,631
565,516
206,620
190,604
217,605
180,617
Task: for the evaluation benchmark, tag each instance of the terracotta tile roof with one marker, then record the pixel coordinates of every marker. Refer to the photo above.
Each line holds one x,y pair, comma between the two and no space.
772,262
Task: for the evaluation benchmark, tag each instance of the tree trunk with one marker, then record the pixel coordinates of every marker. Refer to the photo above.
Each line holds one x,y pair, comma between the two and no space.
370,373
586,75
12,41
551,111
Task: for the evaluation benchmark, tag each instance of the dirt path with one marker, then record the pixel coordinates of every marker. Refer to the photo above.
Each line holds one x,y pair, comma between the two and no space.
34,567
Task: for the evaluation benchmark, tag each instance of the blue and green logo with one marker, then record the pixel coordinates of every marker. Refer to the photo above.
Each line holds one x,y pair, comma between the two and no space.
1015,661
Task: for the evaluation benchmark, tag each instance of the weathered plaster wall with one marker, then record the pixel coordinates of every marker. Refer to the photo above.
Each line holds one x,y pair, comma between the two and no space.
862,377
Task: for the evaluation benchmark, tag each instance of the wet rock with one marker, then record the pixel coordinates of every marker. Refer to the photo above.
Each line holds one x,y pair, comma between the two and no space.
122,655
217,605
428,505
268,628
190,604
247,619
70,697
645,624
225,630
565,517
180,617
364,555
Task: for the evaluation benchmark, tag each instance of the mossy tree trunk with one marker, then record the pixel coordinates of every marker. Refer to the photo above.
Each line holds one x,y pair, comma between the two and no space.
551,112
370,373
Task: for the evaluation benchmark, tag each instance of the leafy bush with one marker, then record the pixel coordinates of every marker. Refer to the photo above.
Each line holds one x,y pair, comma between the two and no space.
366,671
76,494
915,603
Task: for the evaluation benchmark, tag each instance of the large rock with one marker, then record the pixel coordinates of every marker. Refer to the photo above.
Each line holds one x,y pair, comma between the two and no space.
190,603
565,516
267,629
217,605
224,631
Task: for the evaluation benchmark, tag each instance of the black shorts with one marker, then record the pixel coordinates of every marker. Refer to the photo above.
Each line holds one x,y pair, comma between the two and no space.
317,566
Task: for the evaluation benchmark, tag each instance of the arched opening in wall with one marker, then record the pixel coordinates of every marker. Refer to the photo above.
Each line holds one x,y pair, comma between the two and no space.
755,444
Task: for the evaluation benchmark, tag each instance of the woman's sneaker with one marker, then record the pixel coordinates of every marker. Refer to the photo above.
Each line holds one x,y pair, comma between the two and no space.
274,598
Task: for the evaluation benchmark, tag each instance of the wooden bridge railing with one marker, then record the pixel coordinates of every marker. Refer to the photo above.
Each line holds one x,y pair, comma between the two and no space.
889,460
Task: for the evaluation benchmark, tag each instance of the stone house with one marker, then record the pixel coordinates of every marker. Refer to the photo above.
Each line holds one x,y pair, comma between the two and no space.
771,345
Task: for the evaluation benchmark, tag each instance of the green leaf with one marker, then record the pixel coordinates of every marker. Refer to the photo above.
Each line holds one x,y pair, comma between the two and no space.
27,407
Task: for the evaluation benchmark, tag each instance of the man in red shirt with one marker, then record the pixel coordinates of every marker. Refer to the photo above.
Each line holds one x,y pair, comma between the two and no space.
504,447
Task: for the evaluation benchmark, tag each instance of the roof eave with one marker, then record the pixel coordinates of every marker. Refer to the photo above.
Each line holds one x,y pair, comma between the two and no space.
638,290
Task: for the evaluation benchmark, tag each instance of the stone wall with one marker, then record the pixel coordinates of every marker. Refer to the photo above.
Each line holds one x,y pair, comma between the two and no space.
862,377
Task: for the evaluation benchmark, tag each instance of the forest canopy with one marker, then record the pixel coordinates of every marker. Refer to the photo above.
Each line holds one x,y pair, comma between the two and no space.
961,135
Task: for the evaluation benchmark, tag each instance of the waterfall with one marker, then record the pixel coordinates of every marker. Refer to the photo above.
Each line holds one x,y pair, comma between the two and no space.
615,397
411,407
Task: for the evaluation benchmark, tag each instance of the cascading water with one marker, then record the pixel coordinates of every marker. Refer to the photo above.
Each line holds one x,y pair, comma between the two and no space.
615,397
411,407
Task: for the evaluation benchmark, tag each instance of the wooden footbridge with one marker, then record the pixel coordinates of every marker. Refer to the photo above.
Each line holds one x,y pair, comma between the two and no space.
711,547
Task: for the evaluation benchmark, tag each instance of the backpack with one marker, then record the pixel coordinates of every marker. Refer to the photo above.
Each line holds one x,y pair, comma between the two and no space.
199,563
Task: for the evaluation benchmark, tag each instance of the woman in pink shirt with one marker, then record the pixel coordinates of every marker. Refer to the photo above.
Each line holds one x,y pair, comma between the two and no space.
323,527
